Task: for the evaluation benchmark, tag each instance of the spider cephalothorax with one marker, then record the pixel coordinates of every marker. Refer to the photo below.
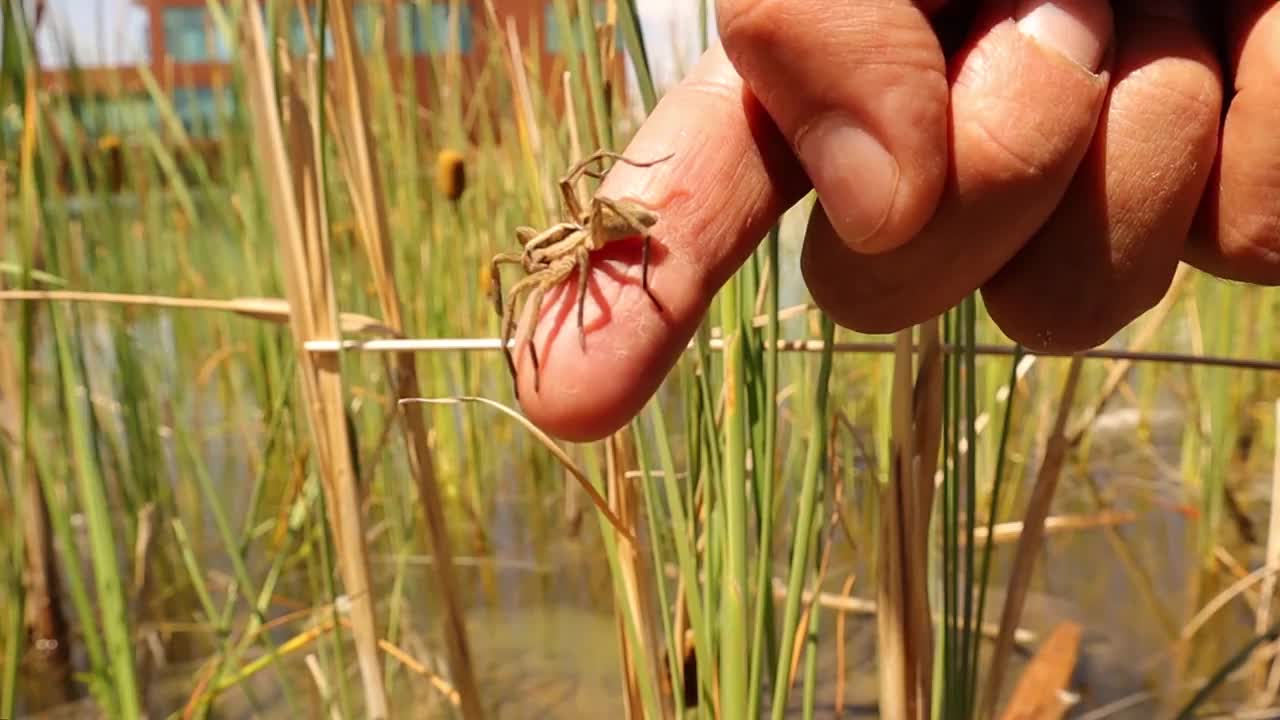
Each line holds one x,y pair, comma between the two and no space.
551,256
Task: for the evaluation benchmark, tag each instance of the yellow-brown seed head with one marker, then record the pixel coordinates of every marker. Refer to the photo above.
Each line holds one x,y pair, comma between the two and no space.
451,174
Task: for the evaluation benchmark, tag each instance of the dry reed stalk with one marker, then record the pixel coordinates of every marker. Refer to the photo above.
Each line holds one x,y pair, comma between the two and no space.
806,616
1007,532
46,625
1040,690
1022,637
621,500
597,499
260,308
526,120
904,637
1154,322
277,310
571,117
1272,685
1219,601
846,591
811,346
1032,537
44,622
360,169
290,153
322,686
414,665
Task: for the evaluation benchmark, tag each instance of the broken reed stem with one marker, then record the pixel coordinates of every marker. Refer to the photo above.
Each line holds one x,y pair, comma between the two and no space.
290,156
811,346
627,601
360,169
904,638
276,310
1032,537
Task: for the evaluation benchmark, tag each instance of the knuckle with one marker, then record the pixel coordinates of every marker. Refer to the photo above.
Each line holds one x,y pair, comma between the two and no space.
750,24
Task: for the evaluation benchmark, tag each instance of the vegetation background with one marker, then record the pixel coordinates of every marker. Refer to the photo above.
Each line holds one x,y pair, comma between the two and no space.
210,519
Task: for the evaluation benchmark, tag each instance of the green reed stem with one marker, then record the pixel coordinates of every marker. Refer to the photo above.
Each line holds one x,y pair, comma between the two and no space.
632,624
1220,676
733,489
102,543
763,651
651,513
240,570
595,72
993,506
11,593
807,508
945,700
969,320
686,551
634,36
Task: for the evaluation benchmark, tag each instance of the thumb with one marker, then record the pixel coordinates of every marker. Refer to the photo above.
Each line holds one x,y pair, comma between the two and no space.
859,89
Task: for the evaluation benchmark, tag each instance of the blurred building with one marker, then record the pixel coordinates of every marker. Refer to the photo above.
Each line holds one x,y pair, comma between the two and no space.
188,54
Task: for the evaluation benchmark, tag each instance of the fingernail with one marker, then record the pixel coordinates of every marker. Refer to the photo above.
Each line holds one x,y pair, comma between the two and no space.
1078,29
854,174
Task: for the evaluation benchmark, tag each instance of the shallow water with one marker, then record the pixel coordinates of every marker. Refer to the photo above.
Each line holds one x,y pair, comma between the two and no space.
543,637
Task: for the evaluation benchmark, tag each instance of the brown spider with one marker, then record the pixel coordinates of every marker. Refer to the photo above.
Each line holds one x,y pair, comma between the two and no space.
549,257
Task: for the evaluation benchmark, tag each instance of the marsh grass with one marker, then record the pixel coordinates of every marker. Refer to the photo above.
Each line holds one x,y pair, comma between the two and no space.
202,469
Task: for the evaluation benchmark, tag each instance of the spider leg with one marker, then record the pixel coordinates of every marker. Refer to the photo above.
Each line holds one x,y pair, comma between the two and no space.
508,328
584,271
532,242
642,231
600,155
535,299
496,277
558,250
644,273
537,285
583,167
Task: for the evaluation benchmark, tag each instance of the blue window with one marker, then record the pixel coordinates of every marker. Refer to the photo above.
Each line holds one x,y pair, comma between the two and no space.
200,109
189,36
184,34
425,29
367,15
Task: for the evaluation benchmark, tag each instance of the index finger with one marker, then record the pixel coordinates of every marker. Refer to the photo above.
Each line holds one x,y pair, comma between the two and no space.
730,177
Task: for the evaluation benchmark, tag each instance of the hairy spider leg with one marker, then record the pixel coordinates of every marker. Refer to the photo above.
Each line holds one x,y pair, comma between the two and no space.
524,287
641,228
572,204
562,248
536,285
584,271
507,315
533,241
495,276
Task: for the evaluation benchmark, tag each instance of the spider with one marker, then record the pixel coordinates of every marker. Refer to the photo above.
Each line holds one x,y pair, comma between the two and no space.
551,256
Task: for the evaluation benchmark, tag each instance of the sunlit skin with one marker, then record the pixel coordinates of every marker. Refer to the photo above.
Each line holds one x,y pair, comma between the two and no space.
550,257
1064,183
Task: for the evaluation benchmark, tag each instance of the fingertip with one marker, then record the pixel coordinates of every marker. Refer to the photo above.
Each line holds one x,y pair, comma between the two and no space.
728,176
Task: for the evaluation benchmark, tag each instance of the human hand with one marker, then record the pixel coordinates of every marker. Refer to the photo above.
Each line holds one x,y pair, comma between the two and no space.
1062,160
